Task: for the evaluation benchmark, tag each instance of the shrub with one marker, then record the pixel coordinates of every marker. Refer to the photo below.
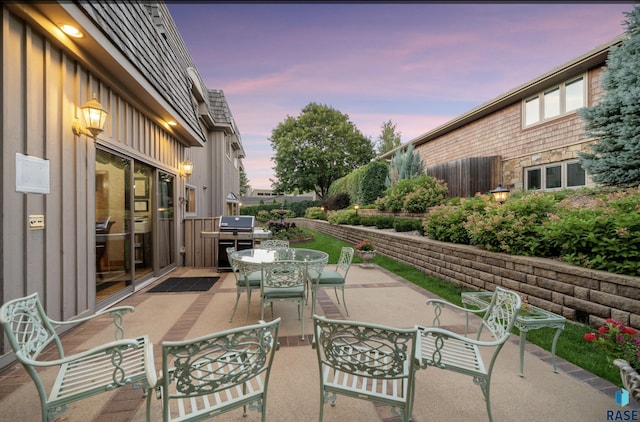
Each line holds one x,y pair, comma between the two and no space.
512,227
315,213
446,222
601,233
408,225
338,202
340,217
384,222
413,195
263,216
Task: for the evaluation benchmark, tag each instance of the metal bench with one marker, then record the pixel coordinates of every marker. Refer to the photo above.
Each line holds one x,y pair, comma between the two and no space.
455,352
81,375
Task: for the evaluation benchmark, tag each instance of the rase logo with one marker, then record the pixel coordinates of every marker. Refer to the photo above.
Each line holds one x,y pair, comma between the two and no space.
622,398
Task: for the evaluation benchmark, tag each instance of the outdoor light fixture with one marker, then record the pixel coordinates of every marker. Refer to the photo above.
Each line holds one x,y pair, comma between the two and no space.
71,31
187,167
94,117
356,207
500,194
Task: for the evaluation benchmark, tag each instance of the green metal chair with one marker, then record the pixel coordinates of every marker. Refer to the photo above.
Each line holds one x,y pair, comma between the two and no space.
366,361
81,375
447,350
274,244
248,277
216,373
284,281
335,278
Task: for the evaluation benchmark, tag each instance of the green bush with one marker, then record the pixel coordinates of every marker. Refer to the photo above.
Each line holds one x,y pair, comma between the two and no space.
263,216
408,225
340,217
512,227
602,233
315,213
446,222
384,222
339,201
413,195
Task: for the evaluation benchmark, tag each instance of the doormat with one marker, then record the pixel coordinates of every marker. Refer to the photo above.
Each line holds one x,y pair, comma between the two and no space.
185,284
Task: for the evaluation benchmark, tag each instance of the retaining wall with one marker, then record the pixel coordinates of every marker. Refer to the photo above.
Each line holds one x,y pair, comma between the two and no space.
574,292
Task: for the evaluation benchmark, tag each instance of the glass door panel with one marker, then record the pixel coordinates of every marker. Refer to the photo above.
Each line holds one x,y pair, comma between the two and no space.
143,186
113,234
165,218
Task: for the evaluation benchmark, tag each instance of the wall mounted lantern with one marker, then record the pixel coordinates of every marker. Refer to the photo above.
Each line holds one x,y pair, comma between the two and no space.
187,168
94,117
500,194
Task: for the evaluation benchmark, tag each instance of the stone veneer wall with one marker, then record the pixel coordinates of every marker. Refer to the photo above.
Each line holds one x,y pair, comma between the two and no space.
573,292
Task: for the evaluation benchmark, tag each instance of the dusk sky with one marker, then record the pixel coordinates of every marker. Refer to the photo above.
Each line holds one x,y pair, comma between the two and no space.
416,64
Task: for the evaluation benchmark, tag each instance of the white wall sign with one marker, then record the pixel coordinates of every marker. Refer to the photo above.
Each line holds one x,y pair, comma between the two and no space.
32,174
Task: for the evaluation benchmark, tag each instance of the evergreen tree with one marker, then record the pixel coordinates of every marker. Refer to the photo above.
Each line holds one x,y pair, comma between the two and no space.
405,164
389,138
244,183
615,121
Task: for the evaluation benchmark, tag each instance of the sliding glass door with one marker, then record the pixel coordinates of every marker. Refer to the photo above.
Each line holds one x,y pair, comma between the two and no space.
135,225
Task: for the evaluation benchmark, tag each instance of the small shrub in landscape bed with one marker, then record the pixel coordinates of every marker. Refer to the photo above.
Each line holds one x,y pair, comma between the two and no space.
594,228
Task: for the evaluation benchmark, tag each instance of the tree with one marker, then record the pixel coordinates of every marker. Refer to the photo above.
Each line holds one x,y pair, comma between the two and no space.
388,138
244,182
317,147
405,164
615,121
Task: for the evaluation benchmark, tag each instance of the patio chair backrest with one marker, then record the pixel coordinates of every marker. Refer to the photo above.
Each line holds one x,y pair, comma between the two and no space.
283,274
274,244
231,368
366,361
344,262
501,314
28,328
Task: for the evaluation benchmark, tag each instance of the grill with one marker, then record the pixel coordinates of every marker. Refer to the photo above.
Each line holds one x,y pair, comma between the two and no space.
235,231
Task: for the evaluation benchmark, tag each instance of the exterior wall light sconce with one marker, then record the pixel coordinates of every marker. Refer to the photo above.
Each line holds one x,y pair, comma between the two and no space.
500,194
94,117
187,168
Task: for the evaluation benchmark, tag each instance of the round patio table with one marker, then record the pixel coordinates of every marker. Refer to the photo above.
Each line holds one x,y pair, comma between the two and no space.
261,256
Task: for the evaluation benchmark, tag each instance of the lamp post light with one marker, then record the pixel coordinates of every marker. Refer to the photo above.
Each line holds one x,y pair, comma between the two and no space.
356,207
500,194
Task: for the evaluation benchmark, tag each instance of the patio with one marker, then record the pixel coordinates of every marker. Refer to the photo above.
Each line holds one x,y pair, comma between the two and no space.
373,295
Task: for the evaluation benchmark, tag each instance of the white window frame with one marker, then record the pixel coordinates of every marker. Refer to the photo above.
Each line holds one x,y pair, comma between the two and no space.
543,176
540,98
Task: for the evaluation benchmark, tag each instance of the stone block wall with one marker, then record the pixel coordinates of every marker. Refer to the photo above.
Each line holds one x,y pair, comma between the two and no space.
576,293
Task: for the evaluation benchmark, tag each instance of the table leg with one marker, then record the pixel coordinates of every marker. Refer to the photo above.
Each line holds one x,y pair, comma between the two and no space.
553,349
523,340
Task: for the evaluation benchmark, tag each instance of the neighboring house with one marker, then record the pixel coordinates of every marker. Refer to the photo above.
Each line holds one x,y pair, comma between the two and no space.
89,218
528,138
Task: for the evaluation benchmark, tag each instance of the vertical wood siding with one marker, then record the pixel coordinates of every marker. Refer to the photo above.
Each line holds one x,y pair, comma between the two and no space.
43,89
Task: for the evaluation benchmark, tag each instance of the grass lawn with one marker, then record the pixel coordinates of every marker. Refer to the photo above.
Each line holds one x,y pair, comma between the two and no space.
571,344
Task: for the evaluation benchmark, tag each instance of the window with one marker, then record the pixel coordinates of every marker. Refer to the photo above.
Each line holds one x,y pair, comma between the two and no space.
227,146
555,102
190,200
555,176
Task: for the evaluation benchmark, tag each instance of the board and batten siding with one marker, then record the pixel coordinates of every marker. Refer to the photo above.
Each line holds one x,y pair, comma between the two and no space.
43,88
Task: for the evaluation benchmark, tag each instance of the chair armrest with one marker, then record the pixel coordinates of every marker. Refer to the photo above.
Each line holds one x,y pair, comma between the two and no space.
440,304
102,349
116,313
120,310
149,365
442,333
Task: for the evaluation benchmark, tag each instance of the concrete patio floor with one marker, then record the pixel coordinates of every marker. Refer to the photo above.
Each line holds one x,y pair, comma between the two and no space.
373,295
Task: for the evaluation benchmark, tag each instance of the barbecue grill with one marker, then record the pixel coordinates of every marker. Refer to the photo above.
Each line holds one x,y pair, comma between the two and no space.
235,231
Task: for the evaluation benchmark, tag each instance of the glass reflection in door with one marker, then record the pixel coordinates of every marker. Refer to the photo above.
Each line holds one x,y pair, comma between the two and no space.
113,234
142,219
165,218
